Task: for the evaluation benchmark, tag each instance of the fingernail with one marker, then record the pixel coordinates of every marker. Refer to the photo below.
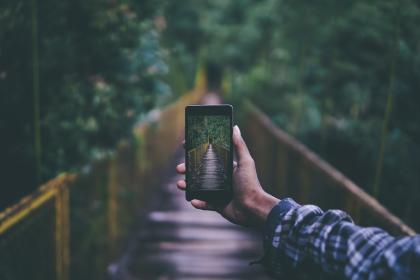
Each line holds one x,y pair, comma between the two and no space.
237,129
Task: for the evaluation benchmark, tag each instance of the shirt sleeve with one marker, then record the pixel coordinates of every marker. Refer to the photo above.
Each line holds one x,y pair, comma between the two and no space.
296,236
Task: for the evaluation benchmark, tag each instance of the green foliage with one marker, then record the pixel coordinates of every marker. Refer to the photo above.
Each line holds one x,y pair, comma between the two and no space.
208,129
101,68
323,71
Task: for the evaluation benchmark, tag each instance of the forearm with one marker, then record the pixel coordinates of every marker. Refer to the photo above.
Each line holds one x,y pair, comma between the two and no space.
330,240
300,233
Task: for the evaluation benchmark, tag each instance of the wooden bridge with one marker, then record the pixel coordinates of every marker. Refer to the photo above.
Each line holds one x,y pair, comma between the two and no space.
212,171
176,241
121,217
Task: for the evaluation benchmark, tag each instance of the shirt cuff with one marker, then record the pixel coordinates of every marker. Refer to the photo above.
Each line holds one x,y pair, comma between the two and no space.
275,216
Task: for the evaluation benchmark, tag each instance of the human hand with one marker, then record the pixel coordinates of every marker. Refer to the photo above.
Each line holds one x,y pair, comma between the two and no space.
250,204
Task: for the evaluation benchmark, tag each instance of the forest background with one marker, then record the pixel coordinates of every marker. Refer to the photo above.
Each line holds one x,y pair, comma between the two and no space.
341,76
210,128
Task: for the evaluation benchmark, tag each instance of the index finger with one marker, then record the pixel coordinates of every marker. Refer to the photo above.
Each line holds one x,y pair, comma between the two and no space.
180,168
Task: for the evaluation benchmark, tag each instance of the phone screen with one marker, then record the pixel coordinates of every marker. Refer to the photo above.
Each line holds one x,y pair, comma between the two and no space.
209,148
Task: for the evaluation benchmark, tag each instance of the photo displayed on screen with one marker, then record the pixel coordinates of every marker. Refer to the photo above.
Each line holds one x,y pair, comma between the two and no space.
208,151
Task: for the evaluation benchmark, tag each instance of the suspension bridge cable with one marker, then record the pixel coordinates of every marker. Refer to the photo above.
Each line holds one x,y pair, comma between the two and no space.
389,101
35,85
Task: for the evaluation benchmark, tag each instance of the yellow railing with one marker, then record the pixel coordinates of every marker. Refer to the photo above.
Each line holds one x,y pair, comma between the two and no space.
73,225
195,155
288,168
222,153
49,209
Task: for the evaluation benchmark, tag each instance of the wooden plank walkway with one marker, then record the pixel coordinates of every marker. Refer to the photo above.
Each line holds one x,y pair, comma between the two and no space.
211,174
176,241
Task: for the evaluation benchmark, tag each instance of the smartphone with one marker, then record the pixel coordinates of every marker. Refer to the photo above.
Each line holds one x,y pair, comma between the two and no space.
208,152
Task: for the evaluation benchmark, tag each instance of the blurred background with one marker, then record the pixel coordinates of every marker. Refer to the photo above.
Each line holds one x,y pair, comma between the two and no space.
340,76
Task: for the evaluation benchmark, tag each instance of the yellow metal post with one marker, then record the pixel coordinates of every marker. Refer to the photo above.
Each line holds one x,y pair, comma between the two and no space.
62,232
112,202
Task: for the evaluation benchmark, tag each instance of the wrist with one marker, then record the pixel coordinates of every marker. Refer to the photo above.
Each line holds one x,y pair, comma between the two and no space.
260,205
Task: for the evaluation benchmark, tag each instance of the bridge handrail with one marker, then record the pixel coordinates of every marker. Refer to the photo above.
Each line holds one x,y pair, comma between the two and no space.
196,154
88,214
311,174
56,191
222,153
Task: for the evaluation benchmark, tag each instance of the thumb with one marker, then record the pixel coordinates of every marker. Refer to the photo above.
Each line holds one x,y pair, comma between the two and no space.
242,151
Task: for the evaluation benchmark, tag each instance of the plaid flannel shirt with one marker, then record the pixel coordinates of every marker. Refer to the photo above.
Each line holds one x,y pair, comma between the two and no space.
297,235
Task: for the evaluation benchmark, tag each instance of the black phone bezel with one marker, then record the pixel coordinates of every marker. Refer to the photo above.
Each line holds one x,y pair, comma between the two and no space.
219,195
